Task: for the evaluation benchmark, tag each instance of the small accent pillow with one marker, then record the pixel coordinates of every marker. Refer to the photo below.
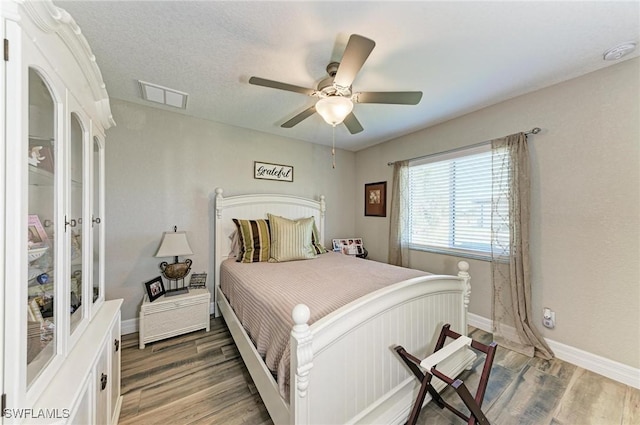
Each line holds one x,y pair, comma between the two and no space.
290,239
315,240
254,240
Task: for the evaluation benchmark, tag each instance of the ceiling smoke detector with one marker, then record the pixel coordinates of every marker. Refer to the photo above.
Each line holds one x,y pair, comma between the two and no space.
617,52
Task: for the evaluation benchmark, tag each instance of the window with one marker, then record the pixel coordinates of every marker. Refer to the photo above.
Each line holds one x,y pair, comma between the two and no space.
450,201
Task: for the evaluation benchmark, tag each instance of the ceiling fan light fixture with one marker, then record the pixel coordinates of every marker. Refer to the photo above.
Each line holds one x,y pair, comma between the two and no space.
334,109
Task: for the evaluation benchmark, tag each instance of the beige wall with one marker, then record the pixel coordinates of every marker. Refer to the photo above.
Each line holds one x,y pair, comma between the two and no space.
585,205
162,168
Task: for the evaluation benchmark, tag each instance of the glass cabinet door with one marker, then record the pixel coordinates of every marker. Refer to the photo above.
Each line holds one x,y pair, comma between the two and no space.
41,250
75,225
97,225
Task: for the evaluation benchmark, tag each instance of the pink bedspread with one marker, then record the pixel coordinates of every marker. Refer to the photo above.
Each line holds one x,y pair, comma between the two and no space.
264,294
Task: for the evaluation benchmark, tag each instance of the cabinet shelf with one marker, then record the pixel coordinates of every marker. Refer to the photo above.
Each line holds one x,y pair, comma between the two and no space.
40,176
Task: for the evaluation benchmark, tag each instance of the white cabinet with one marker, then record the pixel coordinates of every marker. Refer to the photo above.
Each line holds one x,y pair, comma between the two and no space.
82,411
54,113
115,400
101,386
87,385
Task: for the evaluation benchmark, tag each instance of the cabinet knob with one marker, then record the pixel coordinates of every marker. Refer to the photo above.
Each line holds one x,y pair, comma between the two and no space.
103,382
95,220
73,223
116,343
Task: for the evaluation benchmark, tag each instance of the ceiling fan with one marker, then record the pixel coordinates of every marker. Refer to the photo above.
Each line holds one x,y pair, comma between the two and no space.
335,94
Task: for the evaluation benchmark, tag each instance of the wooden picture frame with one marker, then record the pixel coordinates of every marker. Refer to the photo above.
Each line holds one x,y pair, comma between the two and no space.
375,199
155,288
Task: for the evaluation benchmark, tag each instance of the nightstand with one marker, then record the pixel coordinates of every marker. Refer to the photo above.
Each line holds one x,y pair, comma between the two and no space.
176,315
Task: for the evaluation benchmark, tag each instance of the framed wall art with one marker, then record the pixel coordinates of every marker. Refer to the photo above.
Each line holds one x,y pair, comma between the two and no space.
375,199
267,171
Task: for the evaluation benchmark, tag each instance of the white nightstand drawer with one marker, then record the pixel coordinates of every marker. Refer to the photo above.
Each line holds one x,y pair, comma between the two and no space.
170,316
169,304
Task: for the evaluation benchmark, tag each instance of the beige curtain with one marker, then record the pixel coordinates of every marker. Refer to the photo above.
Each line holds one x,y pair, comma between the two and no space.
398,226
513,326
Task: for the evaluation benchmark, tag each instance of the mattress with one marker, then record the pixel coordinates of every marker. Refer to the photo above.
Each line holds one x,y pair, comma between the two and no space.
263,295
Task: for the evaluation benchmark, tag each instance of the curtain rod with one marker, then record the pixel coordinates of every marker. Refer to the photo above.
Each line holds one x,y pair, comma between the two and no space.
534,130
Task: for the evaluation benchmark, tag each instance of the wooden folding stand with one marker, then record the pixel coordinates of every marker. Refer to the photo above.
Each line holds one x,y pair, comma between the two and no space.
429,365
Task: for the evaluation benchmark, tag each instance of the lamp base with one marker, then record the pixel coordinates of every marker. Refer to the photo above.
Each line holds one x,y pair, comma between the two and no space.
177,291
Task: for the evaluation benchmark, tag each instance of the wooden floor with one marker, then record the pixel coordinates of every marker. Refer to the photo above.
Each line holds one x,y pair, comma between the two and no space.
199,378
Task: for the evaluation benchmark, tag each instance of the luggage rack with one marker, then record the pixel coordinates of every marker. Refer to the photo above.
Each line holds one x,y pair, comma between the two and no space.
429,364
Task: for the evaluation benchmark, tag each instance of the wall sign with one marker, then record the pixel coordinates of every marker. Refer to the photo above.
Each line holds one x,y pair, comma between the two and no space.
267,171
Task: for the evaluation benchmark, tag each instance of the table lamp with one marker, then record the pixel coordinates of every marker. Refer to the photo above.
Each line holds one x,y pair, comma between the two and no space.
175,244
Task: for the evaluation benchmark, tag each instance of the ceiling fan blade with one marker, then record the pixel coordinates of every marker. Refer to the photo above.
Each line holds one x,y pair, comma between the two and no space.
355,54
300,117
392,97
278,85
352,123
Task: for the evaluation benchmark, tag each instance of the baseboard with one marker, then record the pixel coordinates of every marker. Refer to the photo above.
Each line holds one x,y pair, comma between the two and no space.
480,322
611,369
131,325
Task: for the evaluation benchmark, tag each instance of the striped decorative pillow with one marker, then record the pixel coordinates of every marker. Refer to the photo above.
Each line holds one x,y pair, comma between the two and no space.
290,239
254,240
315,240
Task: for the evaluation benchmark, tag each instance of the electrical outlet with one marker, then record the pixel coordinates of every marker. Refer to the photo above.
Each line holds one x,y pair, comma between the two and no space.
548,318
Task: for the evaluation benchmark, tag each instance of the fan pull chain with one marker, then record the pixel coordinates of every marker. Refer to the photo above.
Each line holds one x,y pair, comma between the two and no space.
333,148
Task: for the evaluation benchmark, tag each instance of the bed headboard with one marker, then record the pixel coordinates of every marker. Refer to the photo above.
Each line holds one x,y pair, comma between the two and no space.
254,206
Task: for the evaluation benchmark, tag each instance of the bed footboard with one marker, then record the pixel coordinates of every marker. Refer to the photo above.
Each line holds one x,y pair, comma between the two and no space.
343,367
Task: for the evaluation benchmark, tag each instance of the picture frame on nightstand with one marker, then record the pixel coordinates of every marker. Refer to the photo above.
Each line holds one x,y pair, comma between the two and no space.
198,280
155,288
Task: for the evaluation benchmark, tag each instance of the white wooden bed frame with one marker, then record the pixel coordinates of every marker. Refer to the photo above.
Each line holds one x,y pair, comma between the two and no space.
343,367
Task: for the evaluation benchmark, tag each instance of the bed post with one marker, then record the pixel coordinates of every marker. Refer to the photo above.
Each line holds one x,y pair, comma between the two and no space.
323,208
219,202
301,364
463,273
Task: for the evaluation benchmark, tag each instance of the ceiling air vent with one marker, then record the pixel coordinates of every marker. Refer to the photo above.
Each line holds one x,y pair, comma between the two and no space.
163,95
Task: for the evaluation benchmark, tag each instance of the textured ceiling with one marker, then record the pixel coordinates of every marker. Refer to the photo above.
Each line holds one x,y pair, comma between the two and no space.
463,55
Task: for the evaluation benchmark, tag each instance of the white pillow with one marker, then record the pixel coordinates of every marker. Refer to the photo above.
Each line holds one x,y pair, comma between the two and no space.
235,244
290,239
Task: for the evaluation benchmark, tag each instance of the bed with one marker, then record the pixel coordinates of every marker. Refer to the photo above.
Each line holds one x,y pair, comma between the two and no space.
342,367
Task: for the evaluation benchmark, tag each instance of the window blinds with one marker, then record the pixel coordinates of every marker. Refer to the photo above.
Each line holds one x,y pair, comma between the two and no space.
450,197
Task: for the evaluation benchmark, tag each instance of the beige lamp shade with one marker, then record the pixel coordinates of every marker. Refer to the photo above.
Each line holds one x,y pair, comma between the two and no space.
174,244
